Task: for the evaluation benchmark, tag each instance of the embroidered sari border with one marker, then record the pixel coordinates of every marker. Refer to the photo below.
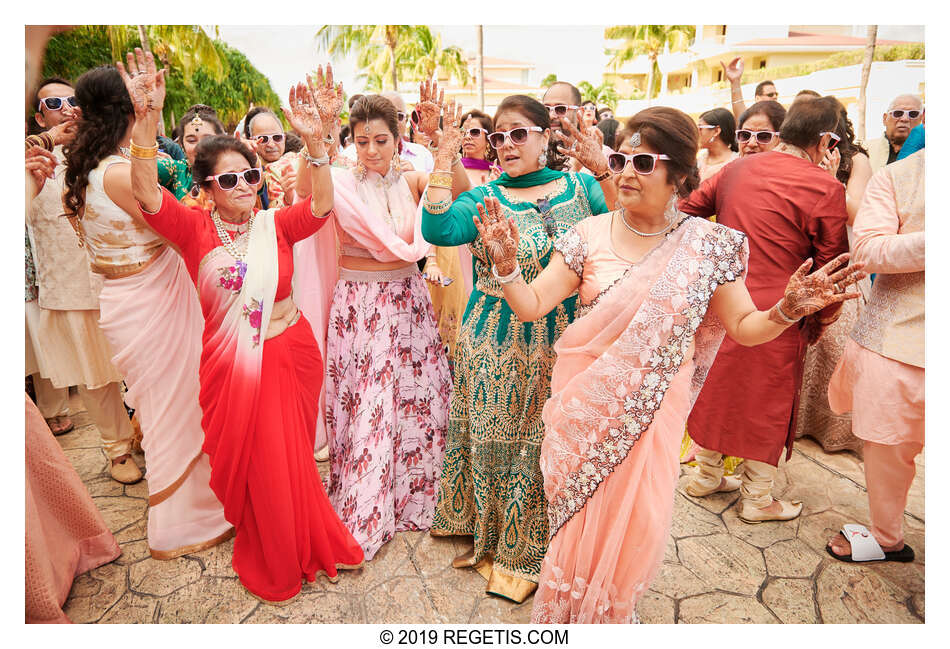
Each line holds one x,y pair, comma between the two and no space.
166,493
721,250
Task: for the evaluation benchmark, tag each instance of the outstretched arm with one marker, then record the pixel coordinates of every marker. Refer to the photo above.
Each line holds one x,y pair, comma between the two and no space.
528,301
804,295
146,87
733,73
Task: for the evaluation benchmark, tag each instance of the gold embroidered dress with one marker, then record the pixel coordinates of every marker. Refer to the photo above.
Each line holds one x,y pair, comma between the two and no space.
491,485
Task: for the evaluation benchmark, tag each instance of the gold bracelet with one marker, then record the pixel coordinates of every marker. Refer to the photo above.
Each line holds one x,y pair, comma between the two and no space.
440,179
143,152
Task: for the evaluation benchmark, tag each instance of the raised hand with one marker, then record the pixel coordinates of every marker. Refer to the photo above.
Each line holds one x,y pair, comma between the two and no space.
806,294
40,164
583,147
733,71
303,115
429,108
451,140
499,234
328,98
145,84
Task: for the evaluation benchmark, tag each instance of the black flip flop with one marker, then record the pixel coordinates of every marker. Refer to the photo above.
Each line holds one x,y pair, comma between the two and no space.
904,555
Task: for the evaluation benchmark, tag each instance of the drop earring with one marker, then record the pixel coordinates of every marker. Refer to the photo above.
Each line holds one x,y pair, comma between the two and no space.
394,166
542,159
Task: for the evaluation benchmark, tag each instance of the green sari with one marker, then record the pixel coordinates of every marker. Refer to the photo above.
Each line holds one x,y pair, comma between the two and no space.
491,486
175,176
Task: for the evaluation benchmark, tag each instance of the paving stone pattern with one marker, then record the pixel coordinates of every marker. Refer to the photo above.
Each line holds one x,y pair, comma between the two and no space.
716,568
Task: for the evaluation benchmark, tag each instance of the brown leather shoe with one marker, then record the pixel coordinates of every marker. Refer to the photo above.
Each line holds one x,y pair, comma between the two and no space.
126,471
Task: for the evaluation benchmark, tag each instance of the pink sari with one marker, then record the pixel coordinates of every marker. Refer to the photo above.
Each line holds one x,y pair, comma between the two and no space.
626,376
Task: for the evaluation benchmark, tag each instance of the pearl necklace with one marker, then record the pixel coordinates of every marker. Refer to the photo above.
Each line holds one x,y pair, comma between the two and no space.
225,238
623,219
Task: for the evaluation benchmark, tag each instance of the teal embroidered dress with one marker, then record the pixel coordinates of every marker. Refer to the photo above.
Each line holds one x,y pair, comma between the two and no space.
491,485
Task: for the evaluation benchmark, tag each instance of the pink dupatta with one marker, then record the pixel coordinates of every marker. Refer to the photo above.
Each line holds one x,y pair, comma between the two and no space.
615,363
372,211
232,354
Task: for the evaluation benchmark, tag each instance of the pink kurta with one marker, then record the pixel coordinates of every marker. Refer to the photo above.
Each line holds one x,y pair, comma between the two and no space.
893,414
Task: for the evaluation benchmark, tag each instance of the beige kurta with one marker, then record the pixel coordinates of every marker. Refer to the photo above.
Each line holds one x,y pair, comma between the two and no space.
62,326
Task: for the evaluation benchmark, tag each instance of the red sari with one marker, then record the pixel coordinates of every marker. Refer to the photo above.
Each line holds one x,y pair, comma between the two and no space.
259,401
791,210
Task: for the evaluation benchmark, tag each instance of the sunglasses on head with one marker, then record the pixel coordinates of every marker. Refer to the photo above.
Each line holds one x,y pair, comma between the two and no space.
517,136
229,180
264,139
833,142
911,114
643,163
762,137
55,103
561,109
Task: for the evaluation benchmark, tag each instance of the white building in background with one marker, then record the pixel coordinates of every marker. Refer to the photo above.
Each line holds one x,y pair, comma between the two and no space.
692,80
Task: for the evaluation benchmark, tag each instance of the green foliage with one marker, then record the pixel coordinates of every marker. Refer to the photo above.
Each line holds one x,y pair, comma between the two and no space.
649,41
391,53
549,80
71,53
910,51
603,94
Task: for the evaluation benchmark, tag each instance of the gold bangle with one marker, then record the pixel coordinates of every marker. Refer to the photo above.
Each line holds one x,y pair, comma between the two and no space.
440,179
143,152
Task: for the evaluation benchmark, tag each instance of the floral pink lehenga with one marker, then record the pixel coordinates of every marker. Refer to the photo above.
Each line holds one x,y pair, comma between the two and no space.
626,376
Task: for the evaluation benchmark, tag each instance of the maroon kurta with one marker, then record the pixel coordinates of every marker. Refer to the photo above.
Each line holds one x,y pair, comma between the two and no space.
791,210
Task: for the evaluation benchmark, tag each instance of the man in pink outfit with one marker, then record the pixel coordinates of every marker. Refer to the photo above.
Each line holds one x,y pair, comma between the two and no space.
880,376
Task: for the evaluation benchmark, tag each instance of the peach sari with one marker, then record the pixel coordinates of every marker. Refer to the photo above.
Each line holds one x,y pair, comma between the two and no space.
626,376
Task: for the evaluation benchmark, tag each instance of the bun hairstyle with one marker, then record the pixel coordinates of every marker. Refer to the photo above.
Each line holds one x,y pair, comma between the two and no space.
370,107
673,133
106,115
727,125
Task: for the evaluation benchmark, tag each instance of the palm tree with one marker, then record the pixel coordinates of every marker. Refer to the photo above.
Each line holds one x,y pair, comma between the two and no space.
182,47
605,93
425,54
480,69
648,40
376,44
865,73
549,80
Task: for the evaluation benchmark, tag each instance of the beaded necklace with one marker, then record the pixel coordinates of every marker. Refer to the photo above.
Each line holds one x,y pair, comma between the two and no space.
227,241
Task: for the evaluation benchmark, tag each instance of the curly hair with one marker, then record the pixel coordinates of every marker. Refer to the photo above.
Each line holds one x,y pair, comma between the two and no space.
106,115
672,132
210,149
848,148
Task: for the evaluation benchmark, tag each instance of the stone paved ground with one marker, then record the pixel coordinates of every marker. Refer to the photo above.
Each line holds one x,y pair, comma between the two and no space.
716,568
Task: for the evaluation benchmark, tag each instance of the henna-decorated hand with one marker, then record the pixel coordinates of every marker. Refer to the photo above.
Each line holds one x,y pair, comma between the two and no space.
64,132
145,84
451,141
806,294
429,108
733,71
304,115
328,99
583,147
41,164
499,234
